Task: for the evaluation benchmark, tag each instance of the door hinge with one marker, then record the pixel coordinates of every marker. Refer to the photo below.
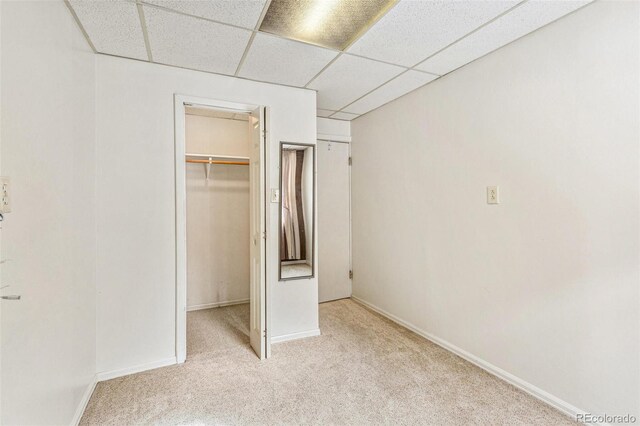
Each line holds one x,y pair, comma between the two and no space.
350,275
350,161
264,333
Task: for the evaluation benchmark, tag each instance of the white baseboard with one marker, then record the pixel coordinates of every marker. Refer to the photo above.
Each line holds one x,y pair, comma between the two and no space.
84,401
527,387
295,336
216,305
108,375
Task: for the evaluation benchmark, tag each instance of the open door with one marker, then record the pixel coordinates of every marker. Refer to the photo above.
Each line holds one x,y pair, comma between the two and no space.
257,232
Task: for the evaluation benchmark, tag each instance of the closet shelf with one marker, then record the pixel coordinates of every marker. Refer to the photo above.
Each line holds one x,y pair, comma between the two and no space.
236,163
209,159
214,156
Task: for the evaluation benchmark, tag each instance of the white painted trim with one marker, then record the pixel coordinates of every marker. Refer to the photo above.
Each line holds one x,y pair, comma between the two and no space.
84,401
295,336
350,219
181,229
333,138
523,385
108,375
216,305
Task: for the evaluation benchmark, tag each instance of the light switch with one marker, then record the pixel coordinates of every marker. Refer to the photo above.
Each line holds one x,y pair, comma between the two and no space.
5,194
275,195
493,195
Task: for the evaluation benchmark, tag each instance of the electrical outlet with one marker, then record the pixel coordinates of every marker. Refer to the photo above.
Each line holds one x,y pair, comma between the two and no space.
493,195
5,195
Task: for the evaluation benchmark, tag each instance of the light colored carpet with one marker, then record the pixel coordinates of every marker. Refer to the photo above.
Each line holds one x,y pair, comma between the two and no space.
217,330
295,270
364,369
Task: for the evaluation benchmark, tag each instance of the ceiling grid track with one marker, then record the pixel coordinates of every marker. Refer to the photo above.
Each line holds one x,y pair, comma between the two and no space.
256,29
204,71
82,29
253,36
145,34
504,45
343,51
202,18
323,69
369,92
457,53
378,18
413,68
469,33
244,55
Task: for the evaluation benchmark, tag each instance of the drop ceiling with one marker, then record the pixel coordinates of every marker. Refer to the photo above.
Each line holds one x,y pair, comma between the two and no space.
412,44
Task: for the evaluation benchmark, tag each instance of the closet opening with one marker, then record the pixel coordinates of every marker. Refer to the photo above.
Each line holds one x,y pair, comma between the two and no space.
220,224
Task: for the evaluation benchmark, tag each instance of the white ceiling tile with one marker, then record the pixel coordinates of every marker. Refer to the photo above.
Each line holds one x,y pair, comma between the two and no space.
113,27
344,116
522,20
244,13
324,113
397,87
194,43
414,30
283,61
348,78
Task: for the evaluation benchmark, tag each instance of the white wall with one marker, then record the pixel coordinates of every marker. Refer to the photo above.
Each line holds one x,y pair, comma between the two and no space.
48,150
205,135
136,209
0,226
546,284
328,127
217,214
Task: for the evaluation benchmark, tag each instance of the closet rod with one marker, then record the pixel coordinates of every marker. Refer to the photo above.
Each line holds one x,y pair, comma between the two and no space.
234,163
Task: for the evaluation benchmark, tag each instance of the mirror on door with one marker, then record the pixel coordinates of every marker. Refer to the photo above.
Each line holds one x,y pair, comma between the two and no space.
297,196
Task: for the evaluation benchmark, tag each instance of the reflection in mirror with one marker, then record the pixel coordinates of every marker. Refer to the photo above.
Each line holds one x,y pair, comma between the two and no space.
297,187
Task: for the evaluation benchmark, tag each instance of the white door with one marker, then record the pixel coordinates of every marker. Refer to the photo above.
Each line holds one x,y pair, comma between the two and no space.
334,194
257,308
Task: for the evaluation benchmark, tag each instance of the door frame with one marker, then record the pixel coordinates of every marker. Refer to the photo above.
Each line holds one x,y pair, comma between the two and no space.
180,101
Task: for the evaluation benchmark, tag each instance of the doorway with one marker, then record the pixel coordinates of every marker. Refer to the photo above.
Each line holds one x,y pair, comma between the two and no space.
220,224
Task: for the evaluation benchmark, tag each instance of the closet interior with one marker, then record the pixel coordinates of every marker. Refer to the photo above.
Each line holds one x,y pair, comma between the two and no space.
217,202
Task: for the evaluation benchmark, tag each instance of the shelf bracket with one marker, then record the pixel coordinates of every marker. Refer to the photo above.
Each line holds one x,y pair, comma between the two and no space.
207,168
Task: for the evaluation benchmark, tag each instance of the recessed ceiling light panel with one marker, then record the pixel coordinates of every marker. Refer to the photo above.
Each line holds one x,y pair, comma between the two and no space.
335,24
